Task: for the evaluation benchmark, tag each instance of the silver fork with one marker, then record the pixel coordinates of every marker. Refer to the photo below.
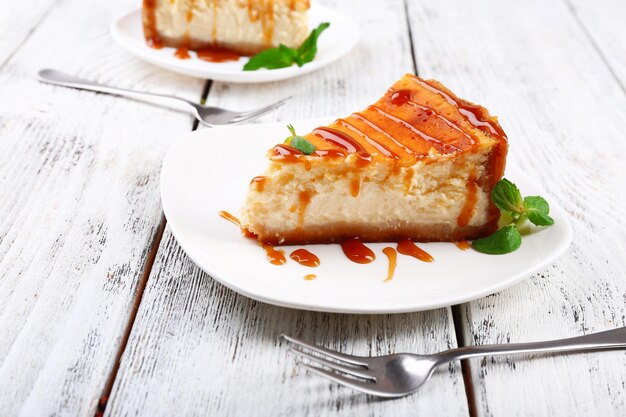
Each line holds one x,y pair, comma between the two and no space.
403,373
210,116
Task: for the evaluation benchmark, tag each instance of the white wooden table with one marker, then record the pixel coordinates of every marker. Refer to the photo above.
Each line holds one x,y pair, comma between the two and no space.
102,312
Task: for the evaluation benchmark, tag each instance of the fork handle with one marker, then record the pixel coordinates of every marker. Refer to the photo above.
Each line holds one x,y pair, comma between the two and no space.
610,339
51,76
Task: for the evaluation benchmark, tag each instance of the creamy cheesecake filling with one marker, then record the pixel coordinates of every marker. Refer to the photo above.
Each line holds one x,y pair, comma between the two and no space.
430,195
243,26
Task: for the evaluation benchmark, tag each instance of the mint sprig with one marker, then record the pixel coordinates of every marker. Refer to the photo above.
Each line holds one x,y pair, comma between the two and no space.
299,142
508,198
283,56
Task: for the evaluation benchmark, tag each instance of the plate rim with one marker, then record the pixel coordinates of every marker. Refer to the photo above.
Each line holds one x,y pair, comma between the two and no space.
513,279
239,77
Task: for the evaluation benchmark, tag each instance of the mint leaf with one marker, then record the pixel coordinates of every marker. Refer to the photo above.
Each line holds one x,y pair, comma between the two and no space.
307,51
505,240
283,56
272,58
507,197
302,145
537,210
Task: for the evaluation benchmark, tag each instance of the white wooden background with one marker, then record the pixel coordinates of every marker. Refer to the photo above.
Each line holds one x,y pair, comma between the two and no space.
90,273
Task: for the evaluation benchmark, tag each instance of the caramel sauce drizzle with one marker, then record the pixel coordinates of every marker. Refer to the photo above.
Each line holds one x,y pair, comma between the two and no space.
392,256
306,258
214,23
407,180
407,247
305,199
310,277
402,97
355,185
182,53
340,139
470,202
463,245
149,29
357,252
360,116
379,146
436,143
259,183
226,215
473,112
276,257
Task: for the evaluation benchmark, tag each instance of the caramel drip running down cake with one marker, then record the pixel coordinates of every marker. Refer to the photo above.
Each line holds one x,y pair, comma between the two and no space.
418,164
242,26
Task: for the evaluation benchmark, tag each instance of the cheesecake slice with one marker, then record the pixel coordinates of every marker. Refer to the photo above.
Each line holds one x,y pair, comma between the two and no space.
418,164
242,26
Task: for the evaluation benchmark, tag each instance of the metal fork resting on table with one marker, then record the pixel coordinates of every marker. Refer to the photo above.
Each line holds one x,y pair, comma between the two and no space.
209,116
401,374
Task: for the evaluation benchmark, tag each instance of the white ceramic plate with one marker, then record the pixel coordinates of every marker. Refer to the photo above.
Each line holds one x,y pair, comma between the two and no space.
335,42
209,170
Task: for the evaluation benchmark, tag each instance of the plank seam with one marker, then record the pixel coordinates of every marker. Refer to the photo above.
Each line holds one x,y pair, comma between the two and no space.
594,44
411,45
457,318
143,282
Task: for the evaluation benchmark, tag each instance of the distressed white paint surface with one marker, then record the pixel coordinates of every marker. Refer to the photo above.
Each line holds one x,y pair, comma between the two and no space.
199,349
79,207
564,111
17,21
604,20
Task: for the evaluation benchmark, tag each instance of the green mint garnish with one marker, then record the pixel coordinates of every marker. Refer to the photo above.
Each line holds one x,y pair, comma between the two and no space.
283,56
505,240
299,142
538,210
507,197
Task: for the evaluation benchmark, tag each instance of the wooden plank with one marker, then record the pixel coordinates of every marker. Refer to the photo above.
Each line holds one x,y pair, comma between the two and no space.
17,21
533,65
198,348
80,208
603,20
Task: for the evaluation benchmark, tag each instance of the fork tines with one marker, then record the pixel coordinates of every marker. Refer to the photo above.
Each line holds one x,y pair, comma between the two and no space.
333,365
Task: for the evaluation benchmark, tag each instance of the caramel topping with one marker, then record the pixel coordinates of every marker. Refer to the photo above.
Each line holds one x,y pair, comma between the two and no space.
149,25
330,153
355,186
310,277
182,53
392,256
276,257
474,113
285,153
379,146
305,198
357,252
304,257
407,180
463,245
407,247
259,183
414,119
467,211
226,215
340,139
